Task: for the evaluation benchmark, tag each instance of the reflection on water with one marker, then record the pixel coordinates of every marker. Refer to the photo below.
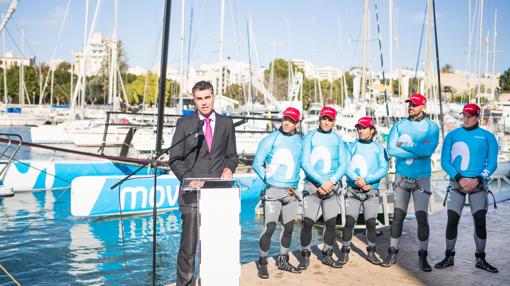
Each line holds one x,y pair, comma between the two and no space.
59,249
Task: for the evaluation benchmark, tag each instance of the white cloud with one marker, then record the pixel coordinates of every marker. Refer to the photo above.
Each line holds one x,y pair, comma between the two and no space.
53,20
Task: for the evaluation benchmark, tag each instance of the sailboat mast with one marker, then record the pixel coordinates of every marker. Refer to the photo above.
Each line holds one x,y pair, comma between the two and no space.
72,82
112,87
390,72
441,119
181,68
494,45
250,99
190,33
84,59
487,46
4,66
428,54
289,62
364,39
382,61
479,52
220,84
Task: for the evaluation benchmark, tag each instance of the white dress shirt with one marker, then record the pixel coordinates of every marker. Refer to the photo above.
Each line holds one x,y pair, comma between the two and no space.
213,121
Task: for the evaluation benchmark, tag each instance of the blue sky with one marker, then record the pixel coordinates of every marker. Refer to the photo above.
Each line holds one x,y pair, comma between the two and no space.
295,28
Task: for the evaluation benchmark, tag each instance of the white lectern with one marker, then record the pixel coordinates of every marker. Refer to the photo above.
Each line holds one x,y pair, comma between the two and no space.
219,231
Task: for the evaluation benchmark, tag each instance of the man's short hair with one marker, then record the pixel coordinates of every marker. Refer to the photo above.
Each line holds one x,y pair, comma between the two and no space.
202,85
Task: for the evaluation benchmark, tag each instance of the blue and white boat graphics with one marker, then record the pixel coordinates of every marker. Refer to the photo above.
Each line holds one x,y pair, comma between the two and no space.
91,196
37,175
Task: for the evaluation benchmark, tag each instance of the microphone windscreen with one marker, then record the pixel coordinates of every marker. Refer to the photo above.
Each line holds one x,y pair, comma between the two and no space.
200,123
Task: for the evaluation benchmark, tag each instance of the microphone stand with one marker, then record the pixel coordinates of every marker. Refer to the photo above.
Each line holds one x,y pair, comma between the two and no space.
153,162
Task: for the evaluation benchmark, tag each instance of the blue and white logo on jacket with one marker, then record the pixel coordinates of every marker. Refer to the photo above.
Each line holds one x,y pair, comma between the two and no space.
321,154
461,149
282,158
359,165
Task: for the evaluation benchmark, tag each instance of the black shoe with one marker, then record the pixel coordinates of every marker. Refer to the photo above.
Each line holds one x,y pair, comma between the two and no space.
482,264
344,255
371,257
283,264
422,260
391,258
447,261
263,273
305,259
327,259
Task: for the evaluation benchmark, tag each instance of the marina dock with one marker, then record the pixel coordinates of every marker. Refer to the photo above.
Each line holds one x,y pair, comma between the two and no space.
358,271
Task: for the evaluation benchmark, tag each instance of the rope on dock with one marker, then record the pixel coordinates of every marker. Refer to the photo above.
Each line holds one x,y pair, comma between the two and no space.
10,276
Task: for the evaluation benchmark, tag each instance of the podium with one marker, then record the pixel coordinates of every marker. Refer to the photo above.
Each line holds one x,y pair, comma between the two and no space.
219,230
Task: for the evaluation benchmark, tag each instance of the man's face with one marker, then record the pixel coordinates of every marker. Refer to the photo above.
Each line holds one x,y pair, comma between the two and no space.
204,101
289,125
415,110
364,133
326,123
469,120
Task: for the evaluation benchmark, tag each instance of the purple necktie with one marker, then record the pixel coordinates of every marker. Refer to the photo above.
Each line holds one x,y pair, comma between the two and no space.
208,132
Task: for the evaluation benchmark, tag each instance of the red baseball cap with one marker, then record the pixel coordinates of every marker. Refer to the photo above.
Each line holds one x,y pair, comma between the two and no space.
329,112
292,112
365,122
417,99
472,109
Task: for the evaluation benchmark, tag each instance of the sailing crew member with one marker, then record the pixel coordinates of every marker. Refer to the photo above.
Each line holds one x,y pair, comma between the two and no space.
278,162
412,142
368,165
210,154
469,157
325,160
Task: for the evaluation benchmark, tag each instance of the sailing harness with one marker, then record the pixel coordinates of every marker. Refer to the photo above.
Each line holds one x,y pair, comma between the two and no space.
291,193
482,187
410,181
360,195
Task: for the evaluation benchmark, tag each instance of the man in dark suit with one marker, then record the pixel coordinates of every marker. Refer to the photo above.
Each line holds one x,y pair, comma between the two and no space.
210,153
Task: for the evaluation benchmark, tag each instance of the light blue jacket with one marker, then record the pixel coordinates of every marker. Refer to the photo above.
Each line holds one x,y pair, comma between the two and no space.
470,153
419,140
325,157
278,159
368,160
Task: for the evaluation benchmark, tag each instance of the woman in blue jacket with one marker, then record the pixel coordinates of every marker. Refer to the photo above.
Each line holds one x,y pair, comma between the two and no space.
369,164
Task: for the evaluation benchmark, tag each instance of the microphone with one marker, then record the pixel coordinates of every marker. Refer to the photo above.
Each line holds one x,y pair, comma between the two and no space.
200,125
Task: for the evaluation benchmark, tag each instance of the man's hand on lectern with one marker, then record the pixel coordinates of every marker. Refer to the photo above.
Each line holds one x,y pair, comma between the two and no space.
196,184
227,174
